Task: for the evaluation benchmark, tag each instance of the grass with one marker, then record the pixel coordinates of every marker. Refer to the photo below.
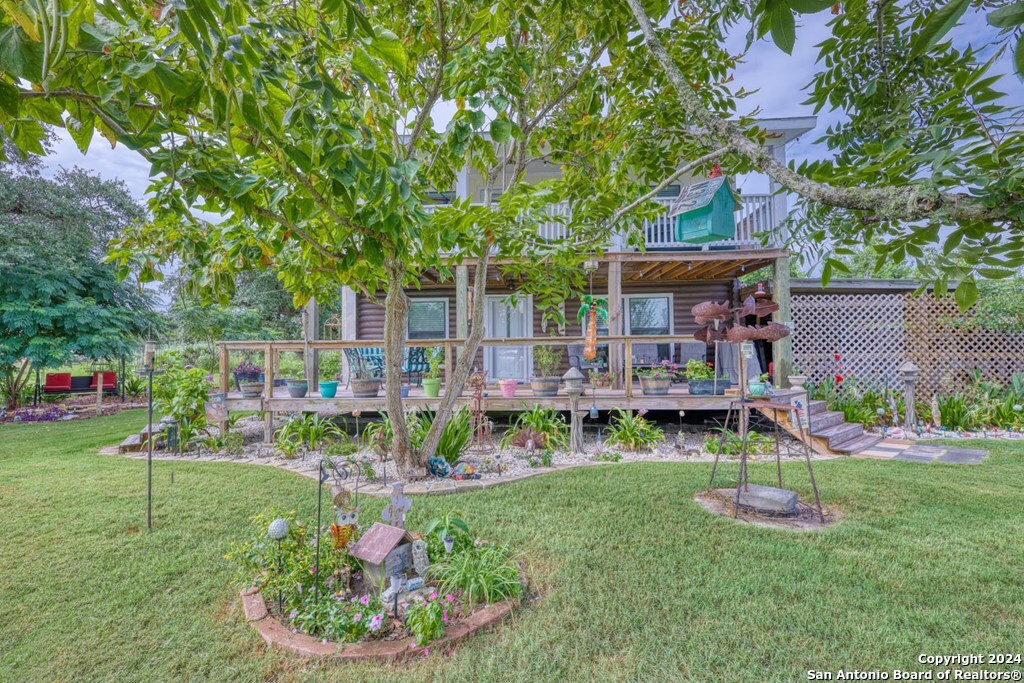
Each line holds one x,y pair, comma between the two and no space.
638,583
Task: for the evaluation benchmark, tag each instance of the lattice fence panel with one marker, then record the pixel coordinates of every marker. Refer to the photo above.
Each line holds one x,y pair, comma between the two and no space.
947,353
867,330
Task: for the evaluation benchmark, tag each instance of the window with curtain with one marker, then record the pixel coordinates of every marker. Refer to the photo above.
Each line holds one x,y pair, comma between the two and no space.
428,319
649,315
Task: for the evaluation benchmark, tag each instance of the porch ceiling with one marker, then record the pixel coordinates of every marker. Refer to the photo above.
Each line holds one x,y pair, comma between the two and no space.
658,266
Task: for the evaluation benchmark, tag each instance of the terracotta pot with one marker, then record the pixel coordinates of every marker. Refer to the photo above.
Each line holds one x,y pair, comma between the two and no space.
508,387
545,386
655,386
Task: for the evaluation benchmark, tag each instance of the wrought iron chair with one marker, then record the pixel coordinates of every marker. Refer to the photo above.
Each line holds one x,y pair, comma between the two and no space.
415,363
576,359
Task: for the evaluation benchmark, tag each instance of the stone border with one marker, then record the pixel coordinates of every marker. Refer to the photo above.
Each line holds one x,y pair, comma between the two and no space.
276,635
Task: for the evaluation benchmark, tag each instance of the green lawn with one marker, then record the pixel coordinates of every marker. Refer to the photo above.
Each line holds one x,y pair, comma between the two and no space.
637,581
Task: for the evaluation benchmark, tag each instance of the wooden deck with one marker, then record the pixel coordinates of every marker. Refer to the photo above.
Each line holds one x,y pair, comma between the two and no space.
605,399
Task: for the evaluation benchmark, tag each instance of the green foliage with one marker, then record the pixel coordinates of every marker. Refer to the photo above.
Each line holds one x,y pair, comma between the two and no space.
343,621
483,573
608,456
426,619
544,426
632,431
435,359
454,437
957,412
57,298
547,360
857,403
698,369
134,385
310,431
341,446
287,567
449,523
728,442
181,392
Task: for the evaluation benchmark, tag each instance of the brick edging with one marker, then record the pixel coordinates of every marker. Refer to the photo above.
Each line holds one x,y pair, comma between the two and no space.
276,635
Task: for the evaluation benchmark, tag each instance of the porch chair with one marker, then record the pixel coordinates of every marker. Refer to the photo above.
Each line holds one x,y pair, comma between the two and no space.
415,363
576,359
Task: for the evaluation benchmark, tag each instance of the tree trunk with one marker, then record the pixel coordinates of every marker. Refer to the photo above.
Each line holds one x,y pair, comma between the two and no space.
460,375
16,379
396,313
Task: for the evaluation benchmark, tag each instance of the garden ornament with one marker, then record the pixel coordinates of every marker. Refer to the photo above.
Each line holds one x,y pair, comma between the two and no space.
394,512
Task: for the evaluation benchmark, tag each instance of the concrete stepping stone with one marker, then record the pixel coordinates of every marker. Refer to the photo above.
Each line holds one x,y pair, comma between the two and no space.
963,456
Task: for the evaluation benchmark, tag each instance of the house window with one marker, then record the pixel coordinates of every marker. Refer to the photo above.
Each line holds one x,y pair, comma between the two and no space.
428,319
649,314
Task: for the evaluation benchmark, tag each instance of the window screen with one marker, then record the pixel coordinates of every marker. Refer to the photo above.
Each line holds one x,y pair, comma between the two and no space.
428,319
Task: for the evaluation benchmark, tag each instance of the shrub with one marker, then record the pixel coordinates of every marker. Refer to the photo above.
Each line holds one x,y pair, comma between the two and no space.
426,619
484,573
308,431
344,621
544,426
546,361
181,393
288,567
732,444
633,432
957,411
454,438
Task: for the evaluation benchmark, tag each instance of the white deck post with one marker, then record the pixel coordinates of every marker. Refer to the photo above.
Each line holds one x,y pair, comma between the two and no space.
782,350
780,201
311,332
348,325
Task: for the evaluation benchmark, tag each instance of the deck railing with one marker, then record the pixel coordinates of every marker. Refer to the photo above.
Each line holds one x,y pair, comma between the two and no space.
621,352
755,214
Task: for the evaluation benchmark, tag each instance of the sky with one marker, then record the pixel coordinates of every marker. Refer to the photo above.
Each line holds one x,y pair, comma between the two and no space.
778,78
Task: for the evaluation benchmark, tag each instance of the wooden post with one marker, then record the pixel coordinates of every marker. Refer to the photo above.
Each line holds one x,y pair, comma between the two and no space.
629,368
268,393
224,367
782,350
448,363
348,326
99,393
615,363
310,332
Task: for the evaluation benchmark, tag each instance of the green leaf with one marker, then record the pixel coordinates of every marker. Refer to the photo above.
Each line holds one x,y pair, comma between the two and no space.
138,69
388,47
810,6
966,294
367,67
783,29
9,99
937,25
1009,16
20,56
1018,56
501,131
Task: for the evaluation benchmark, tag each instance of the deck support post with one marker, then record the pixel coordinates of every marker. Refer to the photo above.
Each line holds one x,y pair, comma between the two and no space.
782,351
348,326
268,392
615,351
224,366
310,332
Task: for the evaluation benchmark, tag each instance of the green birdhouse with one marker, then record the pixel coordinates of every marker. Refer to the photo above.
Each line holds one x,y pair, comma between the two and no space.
704,212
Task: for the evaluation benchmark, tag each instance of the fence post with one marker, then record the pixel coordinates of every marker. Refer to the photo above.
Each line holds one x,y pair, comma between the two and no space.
629,367
909,373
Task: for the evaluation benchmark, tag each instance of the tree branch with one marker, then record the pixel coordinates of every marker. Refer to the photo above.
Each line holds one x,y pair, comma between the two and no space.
895,203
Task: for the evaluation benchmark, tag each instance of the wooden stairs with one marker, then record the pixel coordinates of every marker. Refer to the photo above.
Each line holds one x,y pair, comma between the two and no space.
137,442
829,433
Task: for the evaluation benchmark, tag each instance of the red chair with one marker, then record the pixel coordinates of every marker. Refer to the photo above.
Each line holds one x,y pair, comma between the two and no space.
109,380
57,383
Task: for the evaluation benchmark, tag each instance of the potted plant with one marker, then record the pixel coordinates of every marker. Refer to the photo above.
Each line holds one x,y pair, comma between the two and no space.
546,362
508,387
700,379
329,389
432,377
247,371
364,380
600,380
251,389
298,388
758,385
656,379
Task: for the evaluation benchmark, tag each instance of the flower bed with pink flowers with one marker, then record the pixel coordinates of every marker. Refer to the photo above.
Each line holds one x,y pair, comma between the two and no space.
343,600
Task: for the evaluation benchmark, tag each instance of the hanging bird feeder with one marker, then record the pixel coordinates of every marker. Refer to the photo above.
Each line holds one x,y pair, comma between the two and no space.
705,212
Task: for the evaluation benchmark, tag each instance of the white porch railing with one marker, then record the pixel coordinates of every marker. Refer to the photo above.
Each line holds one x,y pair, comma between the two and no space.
755,214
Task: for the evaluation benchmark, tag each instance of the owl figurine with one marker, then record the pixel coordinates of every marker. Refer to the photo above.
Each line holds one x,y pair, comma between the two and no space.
343,532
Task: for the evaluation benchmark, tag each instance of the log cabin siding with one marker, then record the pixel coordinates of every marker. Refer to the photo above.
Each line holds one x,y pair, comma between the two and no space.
685,295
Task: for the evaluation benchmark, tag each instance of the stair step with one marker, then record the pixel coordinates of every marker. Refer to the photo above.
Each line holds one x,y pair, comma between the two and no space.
130,445
839,433
157,427
858,444
821,421
815,407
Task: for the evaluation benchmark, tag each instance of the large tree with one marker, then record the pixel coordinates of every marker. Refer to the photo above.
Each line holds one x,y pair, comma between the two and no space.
311,127
58,299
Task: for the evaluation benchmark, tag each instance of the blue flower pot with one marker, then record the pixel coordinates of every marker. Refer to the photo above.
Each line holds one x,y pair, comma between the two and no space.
328,389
